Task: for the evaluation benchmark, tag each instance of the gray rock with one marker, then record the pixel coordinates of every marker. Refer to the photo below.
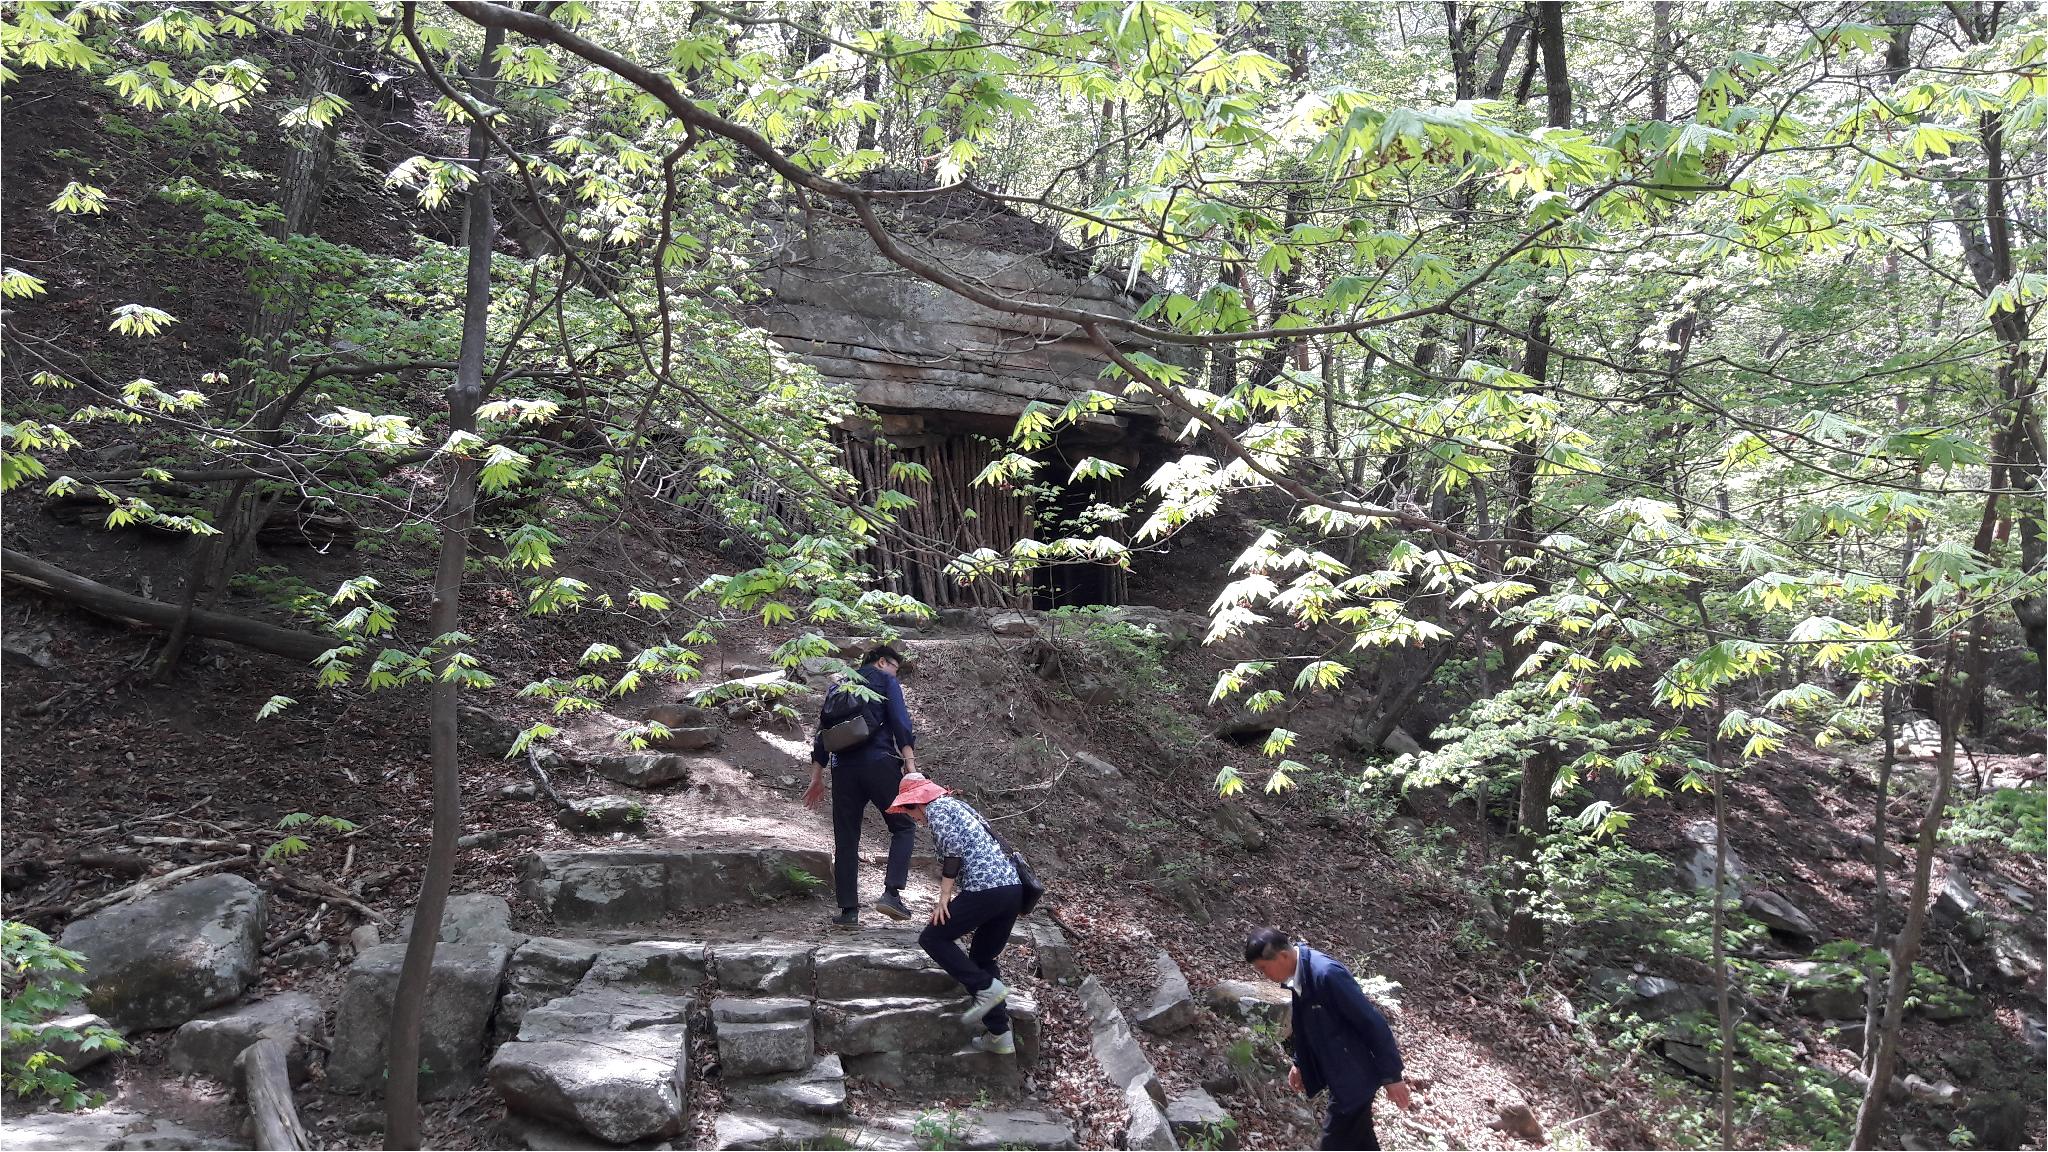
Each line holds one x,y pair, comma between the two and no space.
619,1086
1260,1001
1696,868
1149,1126
473,918
972,1129
2035,1033
1848,1034
2016,952
762,1037
852,972
71,1055
765,969
1197,1116
460,994
699,737
610,889
363,937
961,1072
28,649
207,1046
1818,991
1056,961
1235,823
603,1011
1651,997
318,955
1996,1119
666,965
1865,846
1173,1005
638,769
1957,900
519,790
100,1129
602,814
819,1090
1115,1048
1027,1026
1400,743
891,1024
161,960
1013,624
1096,767
1780,915
541,969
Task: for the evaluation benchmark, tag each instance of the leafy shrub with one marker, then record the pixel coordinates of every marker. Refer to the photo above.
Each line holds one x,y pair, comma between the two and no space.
36,986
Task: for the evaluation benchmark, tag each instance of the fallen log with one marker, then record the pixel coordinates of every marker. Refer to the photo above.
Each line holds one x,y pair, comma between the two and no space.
113,604
267,1083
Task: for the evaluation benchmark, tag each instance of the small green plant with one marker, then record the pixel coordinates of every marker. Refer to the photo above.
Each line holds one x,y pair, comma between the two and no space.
291,844
36,985
2015,819
801,880
937,1131
1213,1135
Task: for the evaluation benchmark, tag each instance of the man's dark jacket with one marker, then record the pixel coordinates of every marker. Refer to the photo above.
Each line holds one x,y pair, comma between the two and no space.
1341,1042
888,718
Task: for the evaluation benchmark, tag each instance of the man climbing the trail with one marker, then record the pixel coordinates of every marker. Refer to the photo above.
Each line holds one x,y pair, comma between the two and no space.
980,892
869,745
1341,1042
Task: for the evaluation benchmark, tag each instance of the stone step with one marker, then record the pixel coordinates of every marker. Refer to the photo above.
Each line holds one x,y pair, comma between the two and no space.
817,1092
763,1037
976,1129
620,1086
617,888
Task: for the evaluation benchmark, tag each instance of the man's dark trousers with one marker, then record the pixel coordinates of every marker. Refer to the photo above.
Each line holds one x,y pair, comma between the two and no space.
1350,1130
855,785
990,914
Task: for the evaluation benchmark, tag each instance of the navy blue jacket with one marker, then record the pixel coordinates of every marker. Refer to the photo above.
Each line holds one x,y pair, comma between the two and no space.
1341,1042
888,718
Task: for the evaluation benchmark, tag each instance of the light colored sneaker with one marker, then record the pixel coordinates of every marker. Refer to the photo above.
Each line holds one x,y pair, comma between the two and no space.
987,998
1003,1045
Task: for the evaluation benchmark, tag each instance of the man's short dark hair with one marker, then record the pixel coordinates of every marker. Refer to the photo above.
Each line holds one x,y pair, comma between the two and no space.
879,653
1266,943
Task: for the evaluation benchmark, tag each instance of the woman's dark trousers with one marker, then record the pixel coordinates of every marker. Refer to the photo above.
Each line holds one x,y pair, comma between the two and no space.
989,914
855,785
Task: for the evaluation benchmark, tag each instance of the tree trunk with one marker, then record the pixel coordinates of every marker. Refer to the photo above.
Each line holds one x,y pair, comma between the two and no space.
1906,949
1874,996
267,1083
114,604
401,1106
1727,1019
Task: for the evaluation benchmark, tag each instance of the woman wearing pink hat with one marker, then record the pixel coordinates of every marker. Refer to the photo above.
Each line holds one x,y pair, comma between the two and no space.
979,893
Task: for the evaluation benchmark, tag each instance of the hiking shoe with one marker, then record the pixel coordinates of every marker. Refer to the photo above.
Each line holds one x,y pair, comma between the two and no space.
891,905
987,998
848,918
1004,1044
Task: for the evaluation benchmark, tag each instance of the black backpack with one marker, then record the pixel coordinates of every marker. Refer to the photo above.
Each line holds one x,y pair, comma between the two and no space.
845,721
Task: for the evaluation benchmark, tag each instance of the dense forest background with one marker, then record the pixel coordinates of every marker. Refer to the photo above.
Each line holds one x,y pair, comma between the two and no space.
1600,440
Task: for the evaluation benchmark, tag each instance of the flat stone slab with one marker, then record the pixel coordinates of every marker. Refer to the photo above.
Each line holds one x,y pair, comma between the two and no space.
980,1130
616,888
737,1131
97,1130
619,1087
819,1090
764,1048
207,1045
892,1024
1149,1127
161,960
1173,1005
604,1010
948,1072
767,1010
602,814
1196,1117
852,972
638,769
664,964
765,969
460,995
1257,1001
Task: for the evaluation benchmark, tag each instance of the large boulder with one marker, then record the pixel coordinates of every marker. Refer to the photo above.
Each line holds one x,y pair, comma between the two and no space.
1173,1005
207,1046
1056,961
1826,991
1013,625
1651,997
55,1037
1196,1117
618,1086
454,1024
1996,1119
765,969
603,814
1149,1127
541,970
617,888
161,960
1696,865
762,1037
639,769
1260,1002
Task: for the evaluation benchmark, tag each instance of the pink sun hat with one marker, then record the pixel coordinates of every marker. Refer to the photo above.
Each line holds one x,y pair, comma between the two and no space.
915,788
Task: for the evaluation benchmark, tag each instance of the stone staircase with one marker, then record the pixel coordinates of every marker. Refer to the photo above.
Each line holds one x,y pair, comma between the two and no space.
804,1037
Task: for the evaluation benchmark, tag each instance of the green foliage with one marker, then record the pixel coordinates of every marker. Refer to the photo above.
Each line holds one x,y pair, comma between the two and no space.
37,978
2015,819
938,1130
291,844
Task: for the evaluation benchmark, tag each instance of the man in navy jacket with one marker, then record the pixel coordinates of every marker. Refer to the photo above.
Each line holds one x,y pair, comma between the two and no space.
868,774
1341,1042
